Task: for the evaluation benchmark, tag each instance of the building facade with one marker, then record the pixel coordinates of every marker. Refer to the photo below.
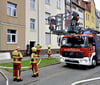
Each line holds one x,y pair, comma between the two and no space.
37,27
98,20
12,24
76,6
25,23
90,15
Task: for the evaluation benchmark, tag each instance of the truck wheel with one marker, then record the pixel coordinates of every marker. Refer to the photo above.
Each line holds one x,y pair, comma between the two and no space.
94,63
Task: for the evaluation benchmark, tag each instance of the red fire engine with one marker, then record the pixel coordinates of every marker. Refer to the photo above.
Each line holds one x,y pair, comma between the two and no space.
77,46
81,49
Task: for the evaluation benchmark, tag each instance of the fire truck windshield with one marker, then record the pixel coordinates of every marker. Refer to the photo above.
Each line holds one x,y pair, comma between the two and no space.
74,41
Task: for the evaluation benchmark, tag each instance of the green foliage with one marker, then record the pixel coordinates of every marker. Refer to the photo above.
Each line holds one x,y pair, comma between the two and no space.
47,61
44,62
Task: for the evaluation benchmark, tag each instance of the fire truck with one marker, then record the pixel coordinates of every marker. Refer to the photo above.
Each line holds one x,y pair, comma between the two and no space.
81,49
77,46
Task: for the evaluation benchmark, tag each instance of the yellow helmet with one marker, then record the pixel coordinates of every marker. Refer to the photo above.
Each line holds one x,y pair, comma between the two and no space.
38,44
34,49
48,46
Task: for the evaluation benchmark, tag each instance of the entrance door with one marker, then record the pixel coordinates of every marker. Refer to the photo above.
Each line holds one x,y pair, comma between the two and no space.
32,43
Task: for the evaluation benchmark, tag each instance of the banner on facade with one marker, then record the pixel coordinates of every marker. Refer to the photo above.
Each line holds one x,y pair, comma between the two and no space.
5,55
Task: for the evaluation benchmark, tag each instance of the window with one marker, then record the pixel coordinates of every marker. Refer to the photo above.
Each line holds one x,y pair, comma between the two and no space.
11,36
32,24
58,3
47,1
32,4
79,2
11,9
48,38
46,17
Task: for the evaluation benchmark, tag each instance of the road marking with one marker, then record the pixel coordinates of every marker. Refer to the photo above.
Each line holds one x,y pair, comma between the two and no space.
6,78
87,80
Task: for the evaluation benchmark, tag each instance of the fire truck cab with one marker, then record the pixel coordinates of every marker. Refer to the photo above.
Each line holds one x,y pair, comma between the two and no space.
81,49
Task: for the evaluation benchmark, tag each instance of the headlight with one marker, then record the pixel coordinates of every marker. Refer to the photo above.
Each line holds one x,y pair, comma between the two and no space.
62,59
83,61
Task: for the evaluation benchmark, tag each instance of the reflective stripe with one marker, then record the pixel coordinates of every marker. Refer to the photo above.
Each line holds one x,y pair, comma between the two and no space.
15,57
18,75
16,61
33,58
14,77
17,54
33,61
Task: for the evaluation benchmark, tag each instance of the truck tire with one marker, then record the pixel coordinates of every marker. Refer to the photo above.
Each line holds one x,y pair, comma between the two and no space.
94,63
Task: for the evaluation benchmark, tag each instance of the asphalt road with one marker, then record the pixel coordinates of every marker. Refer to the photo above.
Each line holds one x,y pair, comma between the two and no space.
58,74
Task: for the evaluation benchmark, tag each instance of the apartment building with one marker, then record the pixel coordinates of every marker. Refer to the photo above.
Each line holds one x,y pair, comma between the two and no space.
90,15
37,27
76,6
98,19
12,24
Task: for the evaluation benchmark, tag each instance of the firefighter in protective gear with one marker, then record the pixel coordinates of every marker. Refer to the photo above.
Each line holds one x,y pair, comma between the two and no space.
49,52
38,46
34,62
17,57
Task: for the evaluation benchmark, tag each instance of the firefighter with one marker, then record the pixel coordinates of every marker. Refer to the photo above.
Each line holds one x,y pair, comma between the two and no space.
38,46
34,62
49,52
17,57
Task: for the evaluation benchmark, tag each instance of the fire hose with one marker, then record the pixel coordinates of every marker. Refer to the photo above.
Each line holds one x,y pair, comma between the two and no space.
21,67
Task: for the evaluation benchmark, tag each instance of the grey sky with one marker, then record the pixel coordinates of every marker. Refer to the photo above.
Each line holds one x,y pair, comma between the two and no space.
97,3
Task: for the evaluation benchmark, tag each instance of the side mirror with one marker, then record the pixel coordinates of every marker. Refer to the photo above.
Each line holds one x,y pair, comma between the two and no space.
93,44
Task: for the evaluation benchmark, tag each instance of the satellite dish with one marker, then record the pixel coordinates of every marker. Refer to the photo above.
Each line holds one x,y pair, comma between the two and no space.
87,0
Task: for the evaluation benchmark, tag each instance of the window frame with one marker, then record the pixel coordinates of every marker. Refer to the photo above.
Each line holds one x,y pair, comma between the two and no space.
32,4
12,34
13,9
58,4
47,14
47,1
47,37
32,22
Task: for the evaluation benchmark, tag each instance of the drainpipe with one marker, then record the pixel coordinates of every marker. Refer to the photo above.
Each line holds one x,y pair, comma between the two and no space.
0,36
38,21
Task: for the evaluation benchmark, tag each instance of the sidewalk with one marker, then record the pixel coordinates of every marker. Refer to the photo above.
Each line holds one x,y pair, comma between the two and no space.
28,58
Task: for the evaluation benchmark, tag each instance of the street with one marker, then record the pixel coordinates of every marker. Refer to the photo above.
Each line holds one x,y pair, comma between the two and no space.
58,74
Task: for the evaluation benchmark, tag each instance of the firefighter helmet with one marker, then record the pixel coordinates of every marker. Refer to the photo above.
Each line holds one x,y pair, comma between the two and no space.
17,48
34,49
38,44
48,46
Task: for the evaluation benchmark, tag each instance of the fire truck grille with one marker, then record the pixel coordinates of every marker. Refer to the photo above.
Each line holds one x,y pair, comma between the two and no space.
73,54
